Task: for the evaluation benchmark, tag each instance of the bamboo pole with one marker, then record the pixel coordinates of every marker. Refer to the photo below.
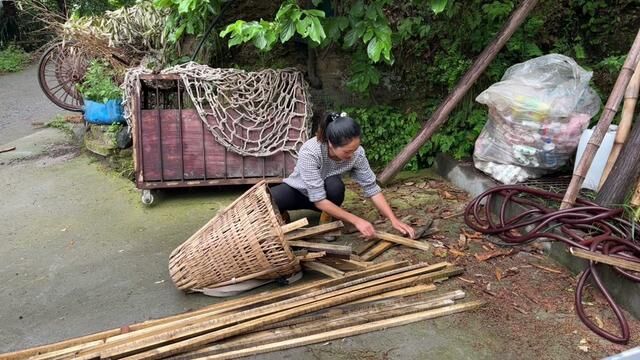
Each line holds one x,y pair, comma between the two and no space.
314,230
628,107
195,325
286,228
344,296
329,321
376,250
350,331
219,308
440,116
610,110
605,259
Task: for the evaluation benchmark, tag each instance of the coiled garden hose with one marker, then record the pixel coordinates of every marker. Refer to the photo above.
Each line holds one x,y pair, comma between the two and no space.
586,226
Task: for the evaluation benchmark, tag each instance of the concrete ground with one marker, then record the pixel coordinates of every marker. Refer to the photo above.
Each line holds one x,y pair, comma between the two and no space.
82,254
22,103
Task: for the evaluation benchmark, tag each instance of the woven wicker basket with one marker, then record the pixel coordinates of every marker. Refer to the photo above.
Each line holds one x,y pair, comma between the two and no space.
242,242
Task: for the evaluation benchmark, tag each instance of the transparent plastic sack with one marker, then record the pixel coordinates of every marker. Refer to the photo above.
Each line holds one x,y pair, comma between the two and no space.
537,113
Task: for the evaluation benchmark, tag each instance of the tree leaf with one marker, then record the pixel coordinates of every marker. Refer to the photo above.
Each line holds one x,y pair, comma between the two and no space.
316,32
374,49
315,12
316,2
288,29
350,38
437,6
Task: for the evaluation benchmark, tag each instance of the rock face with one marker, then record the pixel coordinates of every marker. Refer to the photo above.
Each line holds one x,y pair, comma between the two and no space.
100,140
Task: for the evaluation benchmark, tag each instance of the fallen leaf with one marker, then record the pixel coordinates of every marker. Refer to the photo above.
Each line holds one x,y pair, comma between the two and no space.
499,273
422,185
410,183
599,321
447,195
440,252
583,348
583,341
463,242
465,280
547,269
456,253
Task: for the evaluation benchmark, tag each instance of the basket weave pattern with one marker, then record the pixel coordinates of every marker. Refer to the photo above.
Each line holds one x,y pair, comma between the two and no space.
243,241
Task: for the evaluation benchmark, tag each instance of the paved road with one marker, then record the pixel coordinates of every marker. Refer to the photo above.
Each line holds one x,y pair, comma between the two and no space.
22,103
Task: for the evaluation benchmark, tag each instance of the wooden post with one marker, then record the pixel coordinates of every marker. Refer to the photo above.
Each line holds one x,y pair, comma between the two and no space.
624,173
610,110
628,107
440,116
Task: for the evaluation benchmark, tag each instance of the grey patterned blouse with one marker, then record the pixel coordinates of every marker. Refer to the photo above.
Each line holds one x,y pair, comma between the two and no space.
314,166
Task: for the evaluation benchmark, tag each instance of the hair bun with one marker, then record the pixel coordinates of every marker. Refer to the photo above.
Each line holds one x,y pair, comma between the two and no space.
343,114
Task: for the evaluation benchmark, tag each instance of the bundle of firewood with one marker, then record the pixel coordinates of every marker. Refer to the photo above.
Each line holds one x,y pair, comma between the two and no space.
381,296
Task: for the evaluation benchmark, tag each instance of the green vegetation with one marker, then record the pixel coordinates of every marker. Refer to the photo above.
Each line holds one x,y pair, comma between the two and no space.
13,59
60,123
98,84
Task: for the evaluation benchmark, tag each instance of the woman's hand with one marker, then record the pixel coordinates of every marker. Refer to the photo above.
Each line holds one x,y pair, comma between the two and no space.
366,228
403,228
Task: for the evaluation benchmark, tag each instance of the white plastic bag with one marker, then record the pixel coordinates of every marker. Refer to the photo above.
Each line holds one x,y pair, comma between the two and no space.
537,113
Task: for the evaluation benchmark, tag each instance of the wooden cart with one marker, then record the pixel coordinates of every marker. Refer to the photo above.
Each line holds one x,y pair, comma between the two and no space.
173,147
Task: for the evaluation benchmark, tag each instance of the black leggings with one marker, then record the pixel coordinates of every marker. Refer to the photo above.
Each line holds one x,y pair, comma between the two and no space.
288,198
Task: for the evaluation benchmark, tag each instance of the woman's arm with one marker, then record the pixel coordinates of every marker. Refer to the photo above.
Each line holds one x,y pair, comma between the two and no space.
381,204
365,227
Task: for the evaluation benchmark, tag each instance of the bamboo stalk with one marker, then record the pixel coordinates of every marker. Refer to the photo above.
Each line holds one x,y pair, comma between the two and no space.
610,110
341,250
628,108
323,269
219,308
440,116
195,325
414,290
329,321
342,297
402,241
350,331
314,230
605,259
287,228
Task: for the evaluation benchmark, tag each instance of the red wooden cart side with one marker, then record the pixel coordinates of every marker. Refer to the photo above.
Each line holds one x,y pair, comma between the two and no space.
173,147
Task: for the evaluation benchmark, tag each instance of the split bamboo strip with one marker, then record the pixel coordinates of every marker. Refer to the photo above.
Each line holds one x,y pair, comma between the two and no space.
323,269
402,241
287,228
605,259
350,331
377,250
343,264
312,256
219,308
418,289
626,119
323,302
314,230
329,322
169,331
610,110
341,250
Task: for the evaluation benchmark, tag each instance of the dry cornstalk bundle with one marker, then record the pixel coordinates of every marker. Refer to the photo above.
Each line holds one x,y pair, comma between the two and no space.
379,297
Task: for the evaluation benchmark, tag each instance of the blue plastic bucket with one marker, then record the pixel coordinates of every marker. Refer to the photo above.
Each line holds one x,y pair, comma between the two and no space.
103,113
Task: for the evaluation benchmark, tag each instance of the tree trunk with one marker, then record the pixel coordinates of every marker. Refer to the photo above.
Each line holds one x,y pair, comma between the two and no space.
624,174
62,6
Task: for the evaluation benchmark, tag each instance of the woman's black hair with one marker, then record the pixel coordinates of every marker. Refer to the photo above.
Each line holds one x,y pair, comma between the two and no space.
338,129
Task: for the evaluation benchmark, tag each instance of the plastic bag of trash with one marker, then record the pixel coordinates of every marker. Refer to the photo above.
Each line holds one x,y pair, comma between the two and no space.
537,113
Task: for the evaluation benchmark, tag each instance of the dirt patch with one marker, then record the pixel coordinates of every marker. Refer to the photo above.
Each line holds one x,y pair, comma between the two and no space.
530,298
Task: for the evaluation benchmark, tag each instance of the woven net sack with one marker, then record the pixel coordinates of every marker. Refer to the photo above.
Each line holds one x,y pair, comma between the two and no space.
242,242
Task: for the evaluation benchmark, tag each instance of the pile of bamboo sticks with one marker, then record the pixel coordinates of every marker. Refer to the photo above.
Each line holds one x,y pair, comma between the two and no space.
384,295
335,260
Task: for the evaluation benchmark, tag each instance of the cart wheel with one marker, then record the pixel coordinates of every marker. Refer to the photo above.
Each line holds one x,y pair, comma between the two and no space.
147,197
61,69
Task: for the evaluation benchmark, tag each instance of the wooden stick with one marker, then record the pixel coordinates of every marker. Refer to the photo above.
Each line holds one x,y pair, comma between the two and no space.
350,331
402,241
323,269
216,329
7,149
344,264
605,259
341,250
328,321
440,116
314,230
418,289
287,228
169,331
377,250
219,308
610,110
626,117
